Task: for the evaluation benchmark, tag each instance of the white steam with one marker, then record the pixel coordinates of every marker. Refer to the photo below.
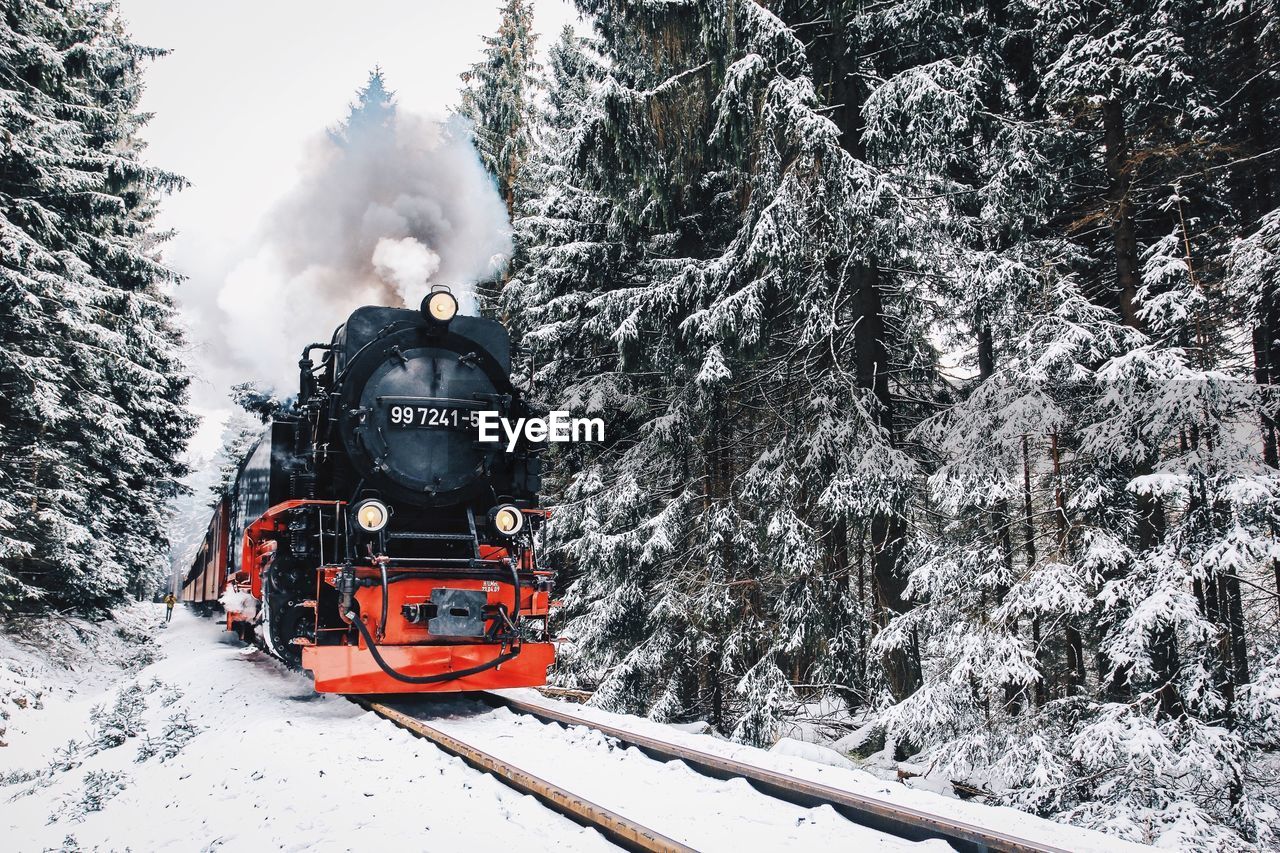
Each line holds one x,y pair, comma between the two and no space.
235,601
407,264
384,209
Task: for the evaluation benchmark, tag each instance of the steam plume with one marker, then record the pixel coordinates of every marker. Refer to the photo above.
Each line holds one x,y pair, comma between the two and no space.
388,204
407,264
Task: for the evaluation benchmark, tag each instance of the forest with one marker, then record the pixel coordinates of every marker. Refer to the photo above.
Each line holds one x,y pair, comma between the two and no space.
93,379
936,346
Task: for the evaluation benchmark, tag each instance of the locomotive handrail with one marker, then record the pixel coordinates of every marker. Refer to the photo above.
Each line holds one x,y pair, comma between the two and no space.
444,562
260,525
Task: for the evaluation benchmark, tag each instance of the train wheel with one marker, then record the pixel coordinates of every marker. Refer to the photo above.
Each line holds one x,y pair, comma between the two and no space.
284,619
287,623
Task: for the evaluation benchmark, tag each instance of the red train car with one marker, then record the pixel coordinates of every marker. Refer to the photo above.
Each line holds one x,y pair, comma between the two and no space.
207,576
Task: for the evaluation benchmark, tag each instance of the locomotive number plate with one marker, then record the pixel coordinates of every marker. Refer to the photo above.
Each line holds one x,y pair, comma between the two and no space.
407,416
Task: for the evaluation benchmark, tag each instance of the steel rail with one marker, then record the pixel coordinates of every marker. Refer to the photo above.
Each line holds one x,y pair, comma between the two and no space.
902,821
621,830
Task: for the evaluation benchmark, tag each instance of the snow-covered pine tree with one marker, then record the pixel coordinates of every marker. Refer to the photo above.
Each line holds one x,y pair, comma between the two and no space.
258,399
1162,503
255,406
563,259
1117,619
577,254
714,533
499,96
766,218
958,114
92,409
239,434
1242,48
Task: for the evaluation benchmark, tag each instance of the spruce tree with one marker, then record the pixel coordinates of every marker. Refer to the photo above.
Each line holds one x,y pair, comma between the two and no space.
255,407
370,116
92,415
744,452
1090,577
933,344
239,435
499,97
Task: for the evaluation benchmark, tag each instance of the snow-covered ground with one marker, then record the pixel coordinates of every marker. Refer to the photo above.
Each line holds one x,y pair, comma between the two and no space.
193,742
215,747
828,767
704,813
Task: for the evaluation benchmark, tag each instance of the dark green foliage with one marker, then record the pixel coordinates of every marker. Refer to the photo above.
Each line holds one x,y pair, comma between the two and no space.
499,99
92,383
927,339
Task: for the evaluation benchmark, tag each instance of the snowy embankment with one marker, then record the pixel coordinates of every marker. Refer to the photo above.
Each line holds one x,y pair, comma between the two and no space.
668,797
190,741
211,745
793,758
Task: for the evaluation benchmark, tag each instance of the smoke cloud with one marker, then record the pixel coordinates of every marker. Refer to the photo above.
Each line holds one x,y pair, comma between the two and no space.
406,263
388,204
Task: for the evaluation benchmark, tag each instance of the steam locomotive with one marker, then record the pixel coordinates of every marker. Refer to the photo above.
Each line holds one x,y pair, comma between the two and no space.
371,537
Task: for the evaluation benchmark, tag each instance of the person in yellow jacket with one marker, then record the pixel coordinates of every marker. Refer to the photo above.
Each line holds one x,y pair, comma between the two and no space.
169,601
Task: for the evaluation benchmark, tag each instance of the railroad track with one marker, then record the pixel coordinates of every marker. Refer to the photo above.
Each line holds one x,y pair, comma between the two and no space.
622,831
902,822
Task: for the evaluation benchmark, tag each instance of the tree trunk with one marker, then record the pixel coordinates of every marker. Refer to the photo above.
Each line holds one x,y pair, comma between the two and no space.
717,694
844,92
1256,197
1000,512
1124,238
902,665
1074,642
1029,544
1124,235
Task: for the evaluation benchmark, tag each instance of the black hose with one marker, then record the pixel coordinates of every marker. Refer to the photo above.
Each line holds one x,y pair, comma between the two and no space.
424,679
356,494
382,626
515,579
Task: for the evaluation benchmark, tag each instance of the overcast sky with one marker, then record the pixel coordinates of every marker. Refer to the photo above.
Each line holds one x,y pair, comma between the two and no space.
248,87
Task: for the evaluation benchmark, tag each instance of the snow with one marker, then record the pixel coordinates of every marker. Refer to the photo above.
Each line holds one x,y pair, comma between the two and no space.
237,601
857,781
855,739
51,668
810,752
670,798
192,741
271,764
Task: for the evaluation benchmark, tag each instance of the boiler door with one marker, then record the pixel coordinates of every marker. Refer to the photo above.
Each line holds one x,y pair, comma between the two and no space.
417,421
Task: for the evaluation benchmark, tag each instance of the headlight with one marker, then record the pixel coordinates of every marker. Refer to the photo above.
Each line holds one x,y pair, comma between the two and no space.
372,515
507,520
440,306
